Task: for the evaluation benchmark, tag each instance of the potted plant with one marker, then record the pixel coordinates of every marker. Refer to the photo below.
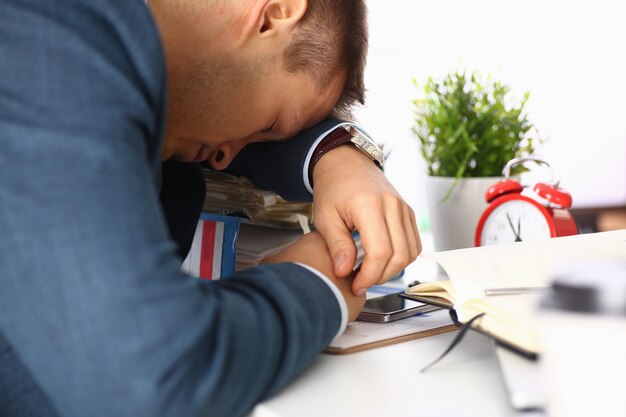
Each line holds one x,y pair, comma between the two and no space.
468,128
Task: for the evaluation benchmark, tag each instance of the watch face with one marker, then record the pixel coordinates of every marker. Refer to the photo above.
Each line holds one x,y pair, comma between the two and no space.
515,221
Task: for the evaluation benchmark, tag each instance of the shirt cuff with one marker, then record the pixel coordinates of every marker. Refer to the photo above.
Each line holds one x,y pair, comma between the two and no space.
309,155
343,307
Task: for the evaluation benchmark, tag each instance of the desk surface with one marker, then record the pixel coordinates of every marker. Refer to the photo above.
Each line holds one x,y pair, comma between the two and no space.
386,382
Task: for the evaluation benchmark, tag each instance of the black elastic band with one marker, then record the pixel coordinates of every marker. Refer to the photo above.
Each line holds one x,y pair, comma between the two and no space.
455,342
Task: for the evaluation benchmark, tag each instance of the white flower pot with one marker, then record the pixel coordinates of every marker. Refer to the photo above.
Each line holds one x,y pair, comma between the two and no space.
453,220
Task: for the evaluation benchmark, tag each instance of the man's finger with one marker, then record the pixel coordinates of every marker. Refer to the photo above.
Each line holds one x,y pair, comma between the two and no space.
340,243
377,247
416,232
413,239
400,255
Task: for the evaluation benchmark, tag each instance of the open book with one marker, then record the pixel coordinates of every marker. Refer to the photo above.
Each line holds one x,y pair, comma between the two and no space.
504,282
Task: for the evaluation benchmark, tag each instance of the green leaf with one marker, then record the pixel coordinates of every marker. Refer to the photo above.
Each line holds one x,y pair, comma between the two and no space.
468,126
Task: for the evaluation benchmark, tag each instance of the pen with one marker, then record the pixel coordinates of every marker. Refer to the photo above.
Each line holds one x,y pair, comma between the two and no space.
514,290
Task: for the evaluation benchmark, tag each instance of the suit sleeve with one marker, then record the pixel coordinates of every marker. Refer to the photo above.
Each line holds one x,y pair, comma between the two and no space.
283,166
91,293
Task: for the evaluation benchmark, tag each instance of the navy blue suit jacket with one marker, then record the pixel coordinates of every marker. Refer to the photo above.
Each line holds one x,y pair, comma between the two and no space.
93,306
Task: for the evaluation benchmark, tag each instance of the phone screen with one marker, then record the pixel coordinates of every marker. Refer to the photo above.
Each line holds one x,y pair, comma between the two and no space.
392,307
389,304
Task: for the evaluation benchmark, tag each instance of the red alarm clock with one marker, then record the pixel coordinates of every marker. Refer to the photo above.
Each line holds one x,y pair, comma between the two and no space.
513,216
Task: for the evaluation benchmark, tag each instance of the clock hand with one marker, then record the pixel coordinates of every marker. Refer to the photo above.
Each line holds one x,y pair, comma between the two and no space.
519,231
517,238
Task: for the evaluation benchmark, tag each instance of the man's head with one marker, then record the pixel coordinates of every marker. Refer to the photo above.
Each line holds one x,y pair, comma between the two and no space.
241,71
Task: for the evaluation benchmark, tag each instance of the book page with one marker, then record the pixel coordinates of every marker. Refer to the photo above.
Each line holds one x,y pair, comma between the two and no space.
510,318
523,264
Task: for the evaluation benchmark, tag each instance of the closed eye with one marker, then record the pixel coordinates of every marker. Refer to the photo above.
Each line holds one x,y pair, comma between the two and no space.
269,129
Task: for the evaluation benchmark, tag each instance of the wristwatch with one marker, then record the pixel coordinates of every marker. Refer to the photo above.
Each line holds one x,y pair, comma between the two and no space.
347,135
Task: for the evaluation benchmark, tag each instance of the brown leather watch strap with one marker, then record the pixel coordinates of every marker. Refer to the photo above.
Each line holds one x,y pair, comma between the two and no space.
337,137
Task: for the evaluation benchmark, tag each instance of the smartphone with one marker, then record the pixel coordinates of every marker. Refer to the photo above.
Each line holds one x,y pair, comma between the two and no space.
392,307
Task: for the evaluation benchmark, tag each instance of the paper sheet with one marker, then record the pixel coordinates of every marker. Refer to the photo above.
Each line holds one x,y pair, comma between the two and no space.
525,264
360,333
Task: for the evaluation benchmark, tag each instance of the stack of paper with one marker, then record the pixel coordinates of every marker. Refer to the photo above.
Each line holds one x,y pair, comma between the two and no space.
230,195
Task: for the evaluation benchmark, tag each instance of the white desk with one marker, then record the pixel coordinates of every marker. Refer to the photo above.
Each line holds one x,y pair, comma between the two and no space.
386,382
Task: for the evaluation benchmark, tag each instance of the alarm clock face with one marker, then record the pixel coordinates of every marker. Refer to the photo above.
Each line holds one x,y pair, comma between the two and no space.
515,221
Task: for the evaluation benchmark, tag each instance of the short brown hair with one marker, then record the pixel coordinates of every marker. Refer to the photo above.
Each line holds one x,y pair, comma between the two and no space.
331,36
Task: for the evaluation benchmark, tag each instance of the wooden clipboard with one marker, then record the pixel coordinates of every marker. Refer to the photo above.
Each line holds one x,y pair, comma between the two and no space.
360,336
360,348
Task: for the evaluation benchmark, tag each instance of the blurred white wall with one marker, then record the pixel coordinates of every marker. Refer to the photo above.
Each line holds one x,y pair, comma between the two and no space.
571,55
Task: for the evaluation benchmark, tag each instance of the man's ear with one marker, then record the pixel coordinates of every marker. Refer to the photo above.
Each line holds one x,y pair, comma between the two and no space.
224,154
280,15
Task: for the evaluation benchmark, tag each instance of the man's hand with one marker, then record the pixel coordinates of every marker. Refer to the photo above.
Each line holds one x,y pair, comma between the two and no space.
350,192
311,250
